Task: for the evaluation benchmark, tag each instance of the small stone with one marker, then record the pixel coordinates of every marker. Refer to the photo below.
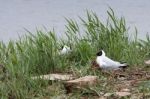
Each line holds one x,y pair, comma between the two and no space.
125,90
122,94
121,78
147,62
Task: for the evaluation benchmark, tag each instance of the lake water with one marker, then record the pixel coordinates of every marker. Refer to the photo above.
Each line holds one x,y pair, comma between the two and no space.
15,15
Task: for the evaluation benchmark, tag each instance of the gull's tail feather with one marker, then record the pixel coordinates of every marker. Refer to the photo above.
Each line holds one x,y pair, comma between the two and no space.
123,65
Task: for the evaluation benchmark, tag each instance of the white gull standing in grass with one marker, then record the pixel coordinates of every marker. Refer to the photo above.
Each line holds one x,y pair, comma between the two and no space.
106,63
65,50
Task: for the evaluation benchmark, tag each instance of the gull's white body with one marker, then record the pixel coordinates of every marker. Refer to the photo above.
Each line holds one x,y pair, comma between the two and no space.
106,63
65,50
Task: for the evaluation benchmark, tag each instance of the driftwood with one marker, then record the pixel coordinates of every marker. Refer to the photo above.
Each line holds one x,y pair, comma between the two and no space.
80,83
61,77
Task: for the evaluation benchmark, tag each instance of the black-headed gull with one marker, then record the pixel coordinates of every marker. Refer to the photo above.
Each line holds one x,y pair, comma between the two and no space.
106,63
65,49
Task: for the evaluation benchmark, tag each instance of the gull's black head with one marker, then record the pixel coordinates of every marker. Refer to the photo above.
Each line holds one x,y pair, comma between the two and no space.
65,46
99,53
61,47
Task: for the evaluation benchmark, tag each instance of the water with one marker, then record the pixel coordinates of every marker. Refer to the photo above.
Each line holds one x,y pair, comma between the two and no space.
15,15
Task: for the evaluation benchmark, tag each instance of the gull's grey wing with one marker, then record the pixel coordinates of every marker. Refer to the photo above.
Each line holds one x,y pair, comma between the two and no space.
110,62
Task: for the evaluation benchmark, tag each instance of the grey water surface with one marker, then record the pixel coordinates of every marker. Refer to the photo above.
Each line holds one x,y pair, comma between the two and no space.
15,15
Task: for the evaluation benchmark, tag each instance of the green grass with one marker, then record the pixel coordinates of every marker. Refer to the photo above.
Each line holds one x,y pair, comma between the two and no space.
36,54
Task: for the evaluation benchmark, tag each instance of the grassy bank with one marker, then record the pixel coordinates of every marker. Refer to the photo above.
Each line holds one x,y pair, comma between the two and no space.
36,54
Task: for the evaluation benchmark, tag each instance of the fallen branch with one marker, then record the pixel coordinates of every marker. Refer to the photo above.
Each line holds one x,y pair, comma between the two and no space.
62,77
80,83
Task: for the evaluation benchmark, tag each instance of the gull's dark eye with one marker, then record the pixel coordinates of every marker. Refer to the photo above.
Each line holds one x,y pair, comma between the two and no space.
99,53
62,47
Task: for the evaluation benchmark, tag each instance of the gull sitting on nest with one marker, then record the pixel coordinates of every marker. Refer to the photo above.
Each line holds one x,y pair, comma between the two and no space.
106,63
65,50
